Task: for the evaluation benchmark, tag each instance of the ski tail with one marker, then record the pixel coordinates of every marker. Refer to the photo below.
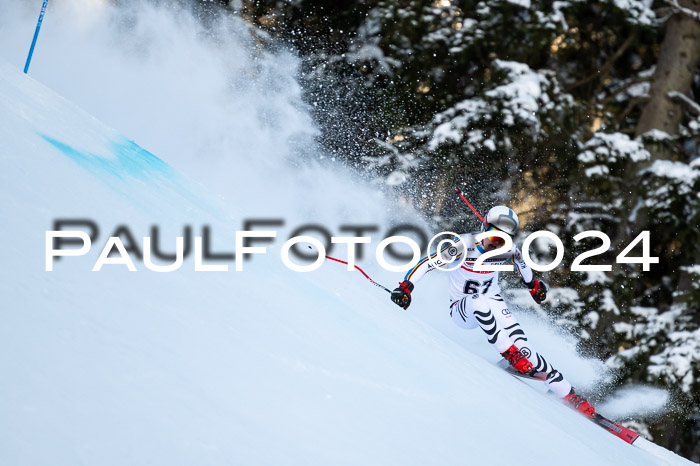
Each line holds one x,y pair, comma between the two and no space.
616,429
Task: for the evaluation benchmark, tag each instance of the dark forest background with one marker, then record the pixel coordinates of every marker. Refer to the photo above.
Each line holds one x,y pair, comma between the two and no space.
580,115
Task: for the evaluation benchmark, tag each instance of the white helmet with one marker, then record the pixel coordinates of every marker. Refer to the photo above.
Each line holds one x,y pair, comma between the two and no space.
502,218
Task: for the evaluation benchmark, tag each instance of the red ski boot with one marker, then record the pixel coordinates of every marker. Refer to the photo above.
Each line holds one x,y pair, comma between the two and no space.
516,359
580,404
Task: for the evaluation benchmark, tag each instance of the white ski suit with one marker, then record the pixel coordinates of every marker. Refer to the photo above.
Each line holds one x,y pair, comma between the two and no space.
475,301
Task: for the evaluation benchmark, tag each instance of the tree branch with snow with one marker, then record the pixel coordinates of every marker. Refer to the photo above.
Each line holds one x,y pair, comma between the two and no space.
676,7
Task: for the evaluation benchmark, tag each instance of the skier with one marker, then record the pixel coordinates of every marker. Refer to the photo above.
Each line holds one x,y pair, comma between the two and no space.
475,300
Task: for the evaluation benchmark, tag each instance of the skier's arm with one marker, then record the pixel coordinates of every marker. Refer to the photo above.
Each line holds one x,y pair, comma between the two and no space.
538,290
426,265
402,295
520,264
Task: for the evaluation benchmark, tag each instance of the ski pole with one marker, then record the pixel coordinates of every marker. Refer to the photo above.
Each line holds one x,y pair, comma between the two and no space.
363,273
36,36
465,200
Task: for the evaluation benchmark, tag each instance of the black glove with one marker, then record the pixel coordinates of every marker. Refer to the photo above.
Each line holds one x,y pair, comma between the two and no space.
538,290
402,295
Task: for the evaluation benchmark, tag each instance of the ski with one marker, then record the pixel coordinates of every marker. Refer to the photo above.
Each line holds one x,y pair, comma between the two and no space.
614,428
503,364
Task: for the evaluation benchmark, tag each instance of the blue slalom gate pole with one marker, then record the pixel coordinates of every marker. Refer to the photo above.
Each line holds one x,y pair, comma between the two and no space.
36,35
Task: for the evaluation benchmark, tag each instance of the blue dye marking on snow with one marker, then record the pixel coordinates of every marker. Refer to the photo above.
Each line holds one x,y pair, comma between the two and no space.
129,163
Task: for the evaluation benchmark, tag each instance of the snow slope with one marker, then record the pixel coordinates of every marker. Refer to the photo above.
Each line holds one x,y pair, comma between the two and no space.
263,366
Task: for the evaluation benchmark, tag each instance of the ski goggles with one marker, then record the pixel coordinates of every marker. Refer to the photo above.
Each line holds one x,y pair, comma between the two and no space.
497,240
